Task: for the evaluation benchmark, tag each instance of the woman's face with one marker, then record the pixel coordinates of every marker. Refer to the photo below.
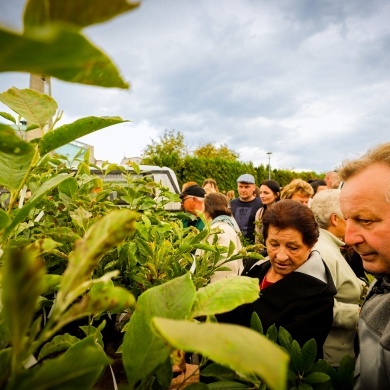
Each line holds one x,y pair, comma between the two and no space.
301,198
209,188
286,250
267,196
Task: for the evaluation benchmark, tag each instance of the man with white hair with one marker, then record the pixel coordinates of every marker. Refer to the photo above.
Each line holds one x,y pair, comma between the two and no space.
365,204
340,341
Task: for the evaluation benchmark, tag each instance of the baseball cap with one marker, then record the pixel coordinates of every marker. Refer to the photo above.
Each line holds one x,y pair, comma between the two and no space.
194,190
246,178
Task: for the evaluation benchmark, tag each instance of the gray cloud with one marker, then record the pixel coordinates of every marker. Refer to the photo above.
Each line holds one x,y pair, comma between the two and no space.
307,80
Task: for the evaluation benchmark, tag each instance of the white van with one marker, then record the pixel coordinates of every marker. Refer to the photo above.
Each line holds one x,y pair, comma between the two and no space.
163,175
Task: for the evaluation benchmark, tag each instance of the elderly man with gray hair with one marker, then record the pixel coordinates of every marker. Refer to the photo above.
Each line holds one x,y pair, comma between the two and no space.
365,203
340,341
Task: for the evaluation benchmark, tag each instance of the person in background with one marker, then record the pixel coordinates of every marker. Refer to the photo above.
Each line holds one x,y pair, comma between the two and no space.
298,190
332,179
210,186
188,184
231,195
318,185
269,194
365,204
217,212
296,286
340,341
244,208
192,201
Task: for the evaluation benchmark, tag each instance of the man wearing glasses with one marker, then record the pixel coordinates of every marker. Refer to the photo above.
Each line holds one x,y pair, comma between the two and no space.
192,199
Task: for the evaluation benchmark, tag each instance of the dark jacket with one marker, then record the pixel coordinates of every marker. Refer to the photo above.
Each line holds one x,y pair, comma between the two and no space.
300,302
373,363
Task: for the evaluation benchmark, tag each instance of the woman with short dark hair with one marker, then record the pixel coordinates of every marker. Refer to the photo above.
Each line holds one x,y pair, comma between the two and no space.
297,290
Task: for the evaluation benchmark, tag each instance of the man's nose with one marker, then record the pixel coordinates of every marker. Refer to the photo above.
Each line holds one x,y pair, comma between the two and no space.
353,235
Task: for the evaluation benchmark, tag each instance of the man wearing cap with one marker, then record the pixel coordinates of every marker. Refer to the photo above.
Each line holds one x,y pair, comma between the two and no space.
244,207
192,199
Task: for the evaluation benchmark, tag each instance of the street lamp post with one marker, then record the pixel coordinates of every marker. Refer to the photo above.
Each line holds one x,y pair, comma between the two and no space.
269,165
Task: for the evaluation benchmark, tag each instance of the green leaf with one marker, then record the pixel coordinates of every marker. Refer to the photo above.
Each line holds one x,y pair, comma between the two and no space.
272,333
197,386
69,187
143,351
10,143
110,298
296,357
13,169
8,116
64,54
225,295
304,386
256,323
108,232
4,219
246,352
80,14
5,366
309,352
58,344
68,133
216,370
316,377
22,285
22,213
226,385
63,234
284,338
35,107
78,368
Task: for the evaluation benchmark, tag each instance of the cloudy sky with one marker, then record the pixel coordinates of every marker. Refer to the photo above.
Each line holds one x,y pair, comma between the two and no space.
308,80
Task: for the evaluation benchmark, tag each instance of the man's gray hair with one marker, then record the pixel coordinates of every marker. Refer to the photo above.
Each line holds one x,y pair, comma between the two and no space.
324,204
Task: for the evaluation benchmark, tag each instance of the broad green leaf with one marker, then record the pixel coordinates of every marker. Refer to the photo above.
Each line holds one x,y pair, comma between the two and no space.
8,116
80,14
13,169
142,350
10,143
22,285
68,133
107,233
22,214
63,234
246,352
78,368
317,377
69,187
42,245
110,298
35,107
225,295
64,54
4,219
58,344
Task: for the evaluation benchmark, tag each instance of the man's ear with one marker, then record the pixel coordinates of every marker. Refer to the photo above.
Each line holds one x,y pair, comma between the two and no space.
333,219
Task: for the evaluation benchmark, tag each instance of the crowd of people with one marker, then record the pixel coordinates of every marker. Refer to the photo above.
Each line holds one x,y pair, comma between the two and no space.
308,285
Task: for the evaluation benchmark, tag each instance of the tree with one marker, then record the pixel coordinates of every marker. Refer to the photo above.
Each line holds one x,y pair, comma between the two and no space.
168,151
211,151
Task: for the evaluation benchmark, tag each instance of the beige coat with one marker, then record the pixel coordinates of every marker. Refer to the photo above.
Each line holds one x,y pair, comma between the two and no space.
340,340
